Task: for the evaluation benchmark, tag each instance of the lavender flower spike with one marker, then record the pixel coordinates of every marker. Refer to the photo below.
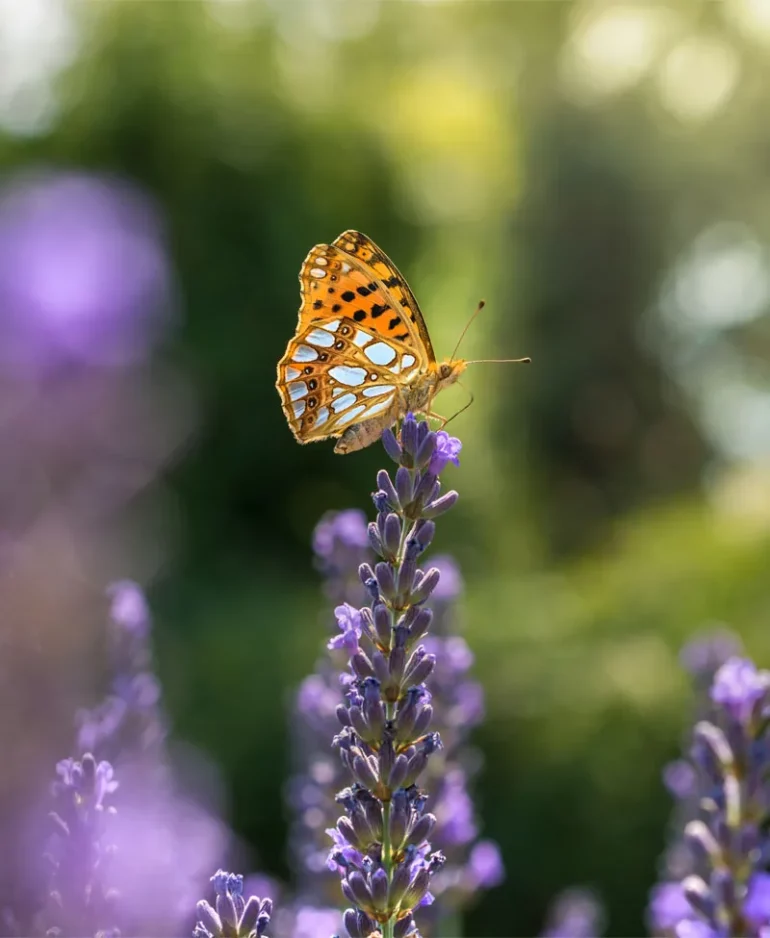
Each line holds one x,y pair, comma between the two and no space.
723,889
79,900
234,916
381,846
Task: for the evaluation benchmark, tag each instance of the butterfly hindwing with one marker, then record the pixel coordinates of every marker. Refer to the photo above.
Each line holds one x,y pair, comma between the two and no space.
337,372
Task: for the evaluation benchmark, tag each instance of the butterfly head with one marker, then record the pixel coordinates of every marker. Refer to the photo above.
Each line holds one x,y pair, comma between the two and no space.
448,372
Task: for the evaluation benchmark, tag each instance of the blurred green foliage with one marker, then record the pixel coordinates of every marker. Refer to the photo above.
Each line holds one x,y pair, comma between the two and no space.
518,151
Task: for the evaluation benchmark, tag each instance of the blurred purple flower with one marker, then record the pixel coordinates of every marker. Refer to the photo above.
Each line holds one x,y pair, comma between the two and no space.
485,864
707,652
756,905
83,272
129,609
346,527
668,905
738,685
575,913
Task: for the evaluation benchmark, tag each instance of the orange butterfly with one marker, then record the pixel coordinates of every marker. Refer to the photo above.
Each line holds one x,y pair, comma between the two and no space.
361,357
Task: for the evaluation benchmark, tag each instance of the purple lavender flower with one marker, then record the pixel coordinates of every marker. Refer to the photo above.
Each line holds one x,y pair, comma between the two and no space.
166,842
739,686
718,885
234,916
576,913
129,725
80,898
83,273
350,624
381,844
342,540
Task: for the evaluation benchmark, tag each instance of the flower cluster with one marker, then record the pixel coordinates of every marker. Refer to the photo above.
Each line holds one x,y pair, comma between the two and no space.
233,916
381,843
724,889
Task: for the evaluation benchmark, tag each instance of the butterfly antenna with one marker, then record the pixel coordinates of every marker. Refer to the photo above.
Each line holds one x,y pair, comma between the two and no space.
467,326
498,361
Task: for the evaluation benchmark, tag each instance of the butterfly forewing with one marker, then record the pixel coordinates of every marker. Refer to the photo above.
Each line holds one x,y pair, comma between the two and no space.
359,339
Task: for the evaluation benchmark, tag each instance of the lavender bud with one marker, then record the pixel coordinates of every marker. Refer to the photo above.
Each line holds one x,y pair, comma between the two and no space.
399,884
422,723
399,772
420,667
361,665
375,541
404,485
347,829
380,890
701,839
391,535
417,889
435,508
209,918
405,927
698,895
425,449
357,923
226,910
422,829
380,501
423,490
399,818
360,891
381,670
391,445
396,665
342,714
421,621
364,773
381,618
424,534
425,586
250,915
716,740
389,490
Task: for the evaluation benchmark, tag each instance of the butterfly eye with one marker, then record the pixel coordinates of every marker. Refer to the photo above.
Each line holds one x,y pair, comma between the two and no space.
445,370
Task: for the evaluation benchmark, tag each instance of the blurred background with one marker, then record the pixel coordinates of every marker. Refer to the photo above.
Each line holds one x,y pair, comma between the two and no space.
599,172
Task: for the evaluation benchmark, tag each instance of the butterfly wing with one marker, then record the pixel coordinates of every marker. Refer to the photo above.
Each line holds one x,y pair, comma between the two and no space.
358,341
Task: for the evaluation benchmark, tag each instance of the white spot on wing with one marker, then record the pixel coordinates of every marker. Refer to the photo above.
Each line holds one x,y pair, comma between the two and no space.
396,368
292,373
304,353
320,337
321,261
361,339
345,267
378,389
299,408
337,391
407,361
380,353
342,403
317,272
347,375
351,415
332,326
297,390
322,416
376,409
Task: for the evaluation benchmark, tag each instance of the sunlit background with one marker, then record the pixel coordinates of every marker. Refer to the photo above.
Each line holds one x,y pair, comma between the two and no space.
599,172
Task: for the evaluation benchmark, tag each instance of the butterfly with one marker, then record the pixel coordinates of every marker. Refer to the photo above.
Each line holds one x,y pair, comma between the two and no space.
361,357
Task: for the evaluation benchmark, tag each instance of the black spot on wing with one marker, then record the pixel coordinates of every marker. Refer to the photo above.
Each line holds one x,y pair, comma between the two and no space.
394,322
359,315
348,296
378,309
363,291
402,338
392,282
336,308
318,304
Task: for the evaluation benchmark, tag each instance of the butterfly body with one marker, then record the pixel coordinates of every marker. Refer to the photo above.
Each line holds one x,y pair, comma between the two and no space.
361,357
